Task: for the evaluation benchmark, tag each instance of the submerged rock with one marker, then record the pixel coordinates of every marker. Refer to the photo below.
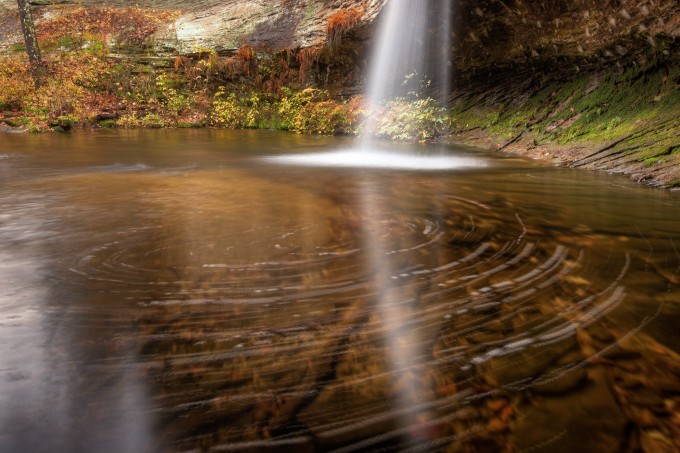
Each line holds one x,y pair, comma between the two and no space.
521,368
586,420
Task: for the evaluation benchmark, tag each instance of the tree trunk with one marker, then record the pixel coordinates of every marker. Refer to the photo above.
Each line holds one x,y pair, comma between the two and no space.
30,39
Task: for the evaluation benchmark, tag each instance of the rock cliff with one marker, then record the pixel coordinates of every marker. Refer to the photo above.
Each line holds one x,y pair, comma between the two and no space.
219,25
489,33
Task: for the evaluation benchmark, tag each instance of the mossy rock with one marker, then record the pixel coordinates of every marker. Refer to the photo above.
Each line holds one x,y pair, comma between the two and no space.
63,123
109,123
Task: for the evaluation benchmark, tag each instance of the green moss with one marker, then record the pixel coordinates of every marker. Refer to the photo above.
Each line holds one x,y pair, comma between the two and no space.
586,108
191,125
36,127
107,123
465,117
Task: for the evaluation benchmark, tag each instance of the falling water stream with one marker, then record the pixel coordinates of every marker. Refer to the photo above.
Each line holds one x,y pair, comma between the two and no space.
410,59
411,56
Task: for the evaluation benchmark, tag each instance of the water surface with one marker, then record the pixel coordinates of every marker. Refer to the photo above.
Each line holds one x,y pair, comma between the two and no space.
208,291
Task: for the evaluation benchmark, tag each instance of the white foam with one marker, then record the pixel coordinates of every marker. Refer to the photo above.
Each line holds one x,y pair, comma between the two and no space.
355,158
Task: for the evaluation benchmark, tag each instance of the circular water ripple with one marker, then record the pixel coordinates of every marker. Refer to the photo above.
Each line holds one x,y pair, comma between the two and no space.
384,337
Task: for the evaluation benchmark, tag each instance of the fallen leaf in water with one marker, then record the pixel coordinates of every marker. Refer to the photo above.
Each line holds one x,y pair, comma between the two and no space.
670,405
425,431
675,418
496,425
559,303
656,442
576,280
586,342
497,405
446,390
506,414
644,418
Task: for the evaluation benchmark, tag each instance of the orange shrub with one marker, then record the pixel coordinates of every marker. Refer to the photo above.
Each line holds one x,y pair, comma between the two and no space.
243,61
308,58
15,82
340,22
245,53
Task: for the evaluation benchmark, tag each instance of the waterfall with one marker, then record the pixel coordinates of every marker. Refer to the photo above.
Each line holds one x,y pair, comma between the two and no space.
410,58
411,55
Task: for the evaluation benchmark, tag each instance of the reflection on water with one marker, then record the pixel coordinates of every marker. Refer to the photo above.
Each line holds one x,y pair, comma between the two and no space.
175,291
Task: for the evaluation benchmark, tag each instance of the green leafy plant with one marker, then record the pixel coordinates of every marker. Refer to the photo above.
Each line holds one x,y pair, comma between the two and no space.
412,120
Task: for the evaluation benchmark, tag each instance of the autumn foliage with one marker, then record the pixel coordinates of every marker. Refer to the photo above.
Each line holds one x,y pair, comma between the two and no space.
90,82
308,57
15,77
243,60
340,22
